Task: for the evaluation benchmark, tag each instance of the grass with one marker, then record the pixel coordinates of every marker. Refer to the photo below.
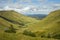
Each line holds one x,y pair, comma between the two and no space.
46,29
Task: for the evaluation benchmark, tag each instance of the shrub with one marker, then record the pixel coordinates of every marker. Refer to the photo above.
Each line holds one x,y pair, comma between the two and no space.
29,33
11,29
56,36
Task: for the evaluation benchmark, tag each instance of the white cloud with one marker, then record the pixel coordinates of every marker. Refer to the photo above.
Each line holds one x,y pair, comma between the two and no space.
56,5
26,1
32,9
26,9
7,8
42,0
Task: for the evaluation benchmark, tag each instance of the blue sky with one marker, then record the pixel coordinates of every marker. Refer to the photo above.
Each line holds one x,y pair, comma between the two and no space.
30,6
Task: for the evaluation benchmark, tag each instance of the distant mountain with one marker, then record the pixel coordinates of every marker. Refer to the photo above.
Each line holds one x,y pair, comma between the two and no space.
37,16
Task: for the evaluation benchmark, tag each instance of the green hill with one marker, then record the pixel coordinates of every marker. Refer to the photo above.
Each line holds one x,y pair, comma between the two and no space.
12,25
15,18
52,24
15,26
49,26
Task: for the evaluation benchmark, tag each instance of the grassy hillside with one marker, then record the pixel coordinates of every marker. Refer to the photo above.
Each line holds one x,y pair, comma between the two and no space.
12,25
49,26
15,18
15,26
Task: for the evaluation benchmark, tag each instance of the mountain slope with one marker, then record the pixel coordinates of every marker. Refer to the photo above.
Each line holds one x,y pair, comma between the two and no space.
50,26
46,29
12,15
12,24
53,17
16,18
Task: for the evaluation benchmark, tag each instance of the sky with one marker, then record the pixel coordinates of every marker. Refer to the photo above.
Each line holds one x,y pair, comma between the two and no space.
30,6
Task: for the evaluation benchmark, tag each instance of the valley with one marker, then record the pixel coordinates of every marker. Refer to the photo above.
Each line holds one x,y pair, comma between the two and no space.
16,26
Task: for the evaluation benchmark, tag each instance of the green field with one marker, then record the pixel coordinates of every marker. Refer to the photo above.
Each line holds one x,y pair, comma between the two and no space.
15,26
